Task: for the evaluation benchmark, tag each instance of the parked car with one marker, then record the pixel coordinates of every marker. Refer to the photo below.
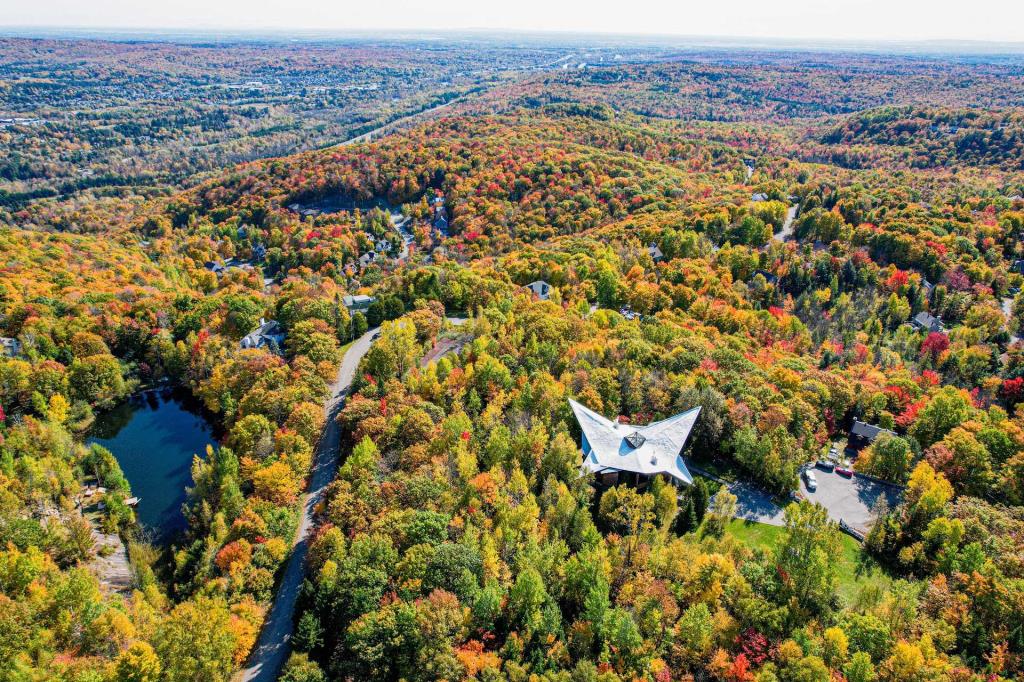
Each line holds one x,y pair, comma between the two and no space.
810,480
844,471
825,465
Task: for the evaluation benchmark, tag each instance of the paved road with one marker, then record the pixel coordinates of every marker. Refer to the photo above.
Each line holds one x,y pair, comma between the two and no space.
753,504
1007,306
787,226
389,127
274,644
401,225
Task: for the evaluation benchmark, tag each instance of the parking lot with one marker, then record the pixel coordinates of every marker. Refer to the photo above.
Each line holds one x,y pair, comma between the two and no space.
849,499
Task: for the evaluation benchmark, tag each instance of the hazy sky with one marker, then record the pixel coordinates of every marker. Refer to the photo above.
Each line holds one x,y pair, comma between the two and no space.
999,20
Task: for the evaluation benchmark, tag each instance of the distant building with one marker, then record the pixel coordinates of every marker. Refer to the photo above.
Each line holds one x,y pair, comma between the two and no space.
358,301
926,322
267,335
259,252
768,277
10,347
214,267
655,252
367,258
863,434
540,289
625,453
1018,267
759,196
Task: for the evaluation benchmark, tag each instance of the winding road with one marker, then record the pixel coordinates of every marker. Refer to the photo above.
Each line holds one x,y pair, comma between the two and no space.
787,226
274,644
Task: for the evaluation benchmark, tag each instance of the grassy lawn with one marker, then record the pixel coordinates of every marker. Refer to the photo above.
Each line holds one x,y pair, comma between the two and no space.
856,569
725,470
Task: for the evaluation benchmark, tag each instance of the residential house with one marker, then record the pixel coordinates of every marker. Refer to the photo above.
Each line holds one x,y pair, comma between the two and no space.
863,434
10,347
367,258
268,335
926,322
768,277
759,196
627,453
540,289
358,302
655,252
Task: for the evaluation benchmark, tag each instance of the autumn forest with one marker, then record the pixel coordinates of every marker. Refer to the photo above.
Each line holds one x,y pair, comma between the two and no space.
386,271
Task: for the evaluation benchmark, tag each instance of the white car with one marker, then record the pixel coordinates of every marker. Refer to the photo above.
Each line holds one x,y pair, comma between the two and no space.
810,480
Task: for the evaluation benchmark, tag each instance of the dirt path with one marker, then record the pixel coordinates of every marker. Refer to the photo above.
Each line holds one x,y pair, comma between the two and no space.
110,565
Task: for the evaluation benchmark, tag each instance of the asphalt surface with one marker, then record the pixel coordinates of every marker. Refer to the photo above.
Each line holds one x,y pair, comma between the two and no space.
846,499
274,644
756,505
850,499
787,226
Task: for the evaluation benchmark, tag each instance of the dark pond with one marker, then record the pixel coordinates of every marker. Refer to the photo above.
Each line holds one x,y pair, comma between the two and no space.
154,435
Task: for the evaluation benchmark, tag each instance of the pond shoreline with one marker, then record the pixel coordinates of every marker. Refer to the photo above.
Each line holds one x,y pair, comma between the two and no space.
154,434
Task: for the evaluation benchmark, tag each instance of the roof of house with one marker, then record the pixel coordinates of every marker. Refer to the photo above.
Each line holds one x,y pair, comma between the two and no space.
267,331
759,196
769,277
540,287
927,321
867,431
652,449
358,299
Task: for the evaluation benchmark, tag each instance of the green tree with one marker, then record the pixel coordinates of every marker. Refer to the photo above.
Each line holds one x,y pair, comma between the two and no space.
195,642
948,408
138,663
807,556
888,457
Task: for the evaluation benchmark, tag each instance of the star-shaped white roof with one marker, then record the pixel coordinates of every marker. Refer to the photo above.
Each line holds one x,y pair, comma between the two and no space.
612,446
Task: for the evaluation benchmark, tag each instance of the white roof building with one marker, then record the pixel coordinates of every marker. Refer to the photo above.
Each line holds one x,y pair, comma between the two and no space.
540,289
358,301
610,447
10,346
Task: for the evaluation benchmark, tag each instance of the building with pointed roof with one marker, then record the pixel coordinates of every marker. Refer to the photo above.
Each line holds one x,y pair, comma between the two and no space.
627,453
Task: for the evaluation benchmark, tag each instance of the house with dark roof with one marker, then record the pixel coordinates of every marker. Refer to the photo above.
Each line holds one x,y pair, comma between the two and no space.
927,322
863,434
655,252
768,277
268,335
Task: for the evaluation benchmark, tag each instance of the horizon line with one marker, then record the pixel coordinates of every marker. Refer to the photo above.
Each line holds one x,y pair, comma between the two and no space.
42,30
